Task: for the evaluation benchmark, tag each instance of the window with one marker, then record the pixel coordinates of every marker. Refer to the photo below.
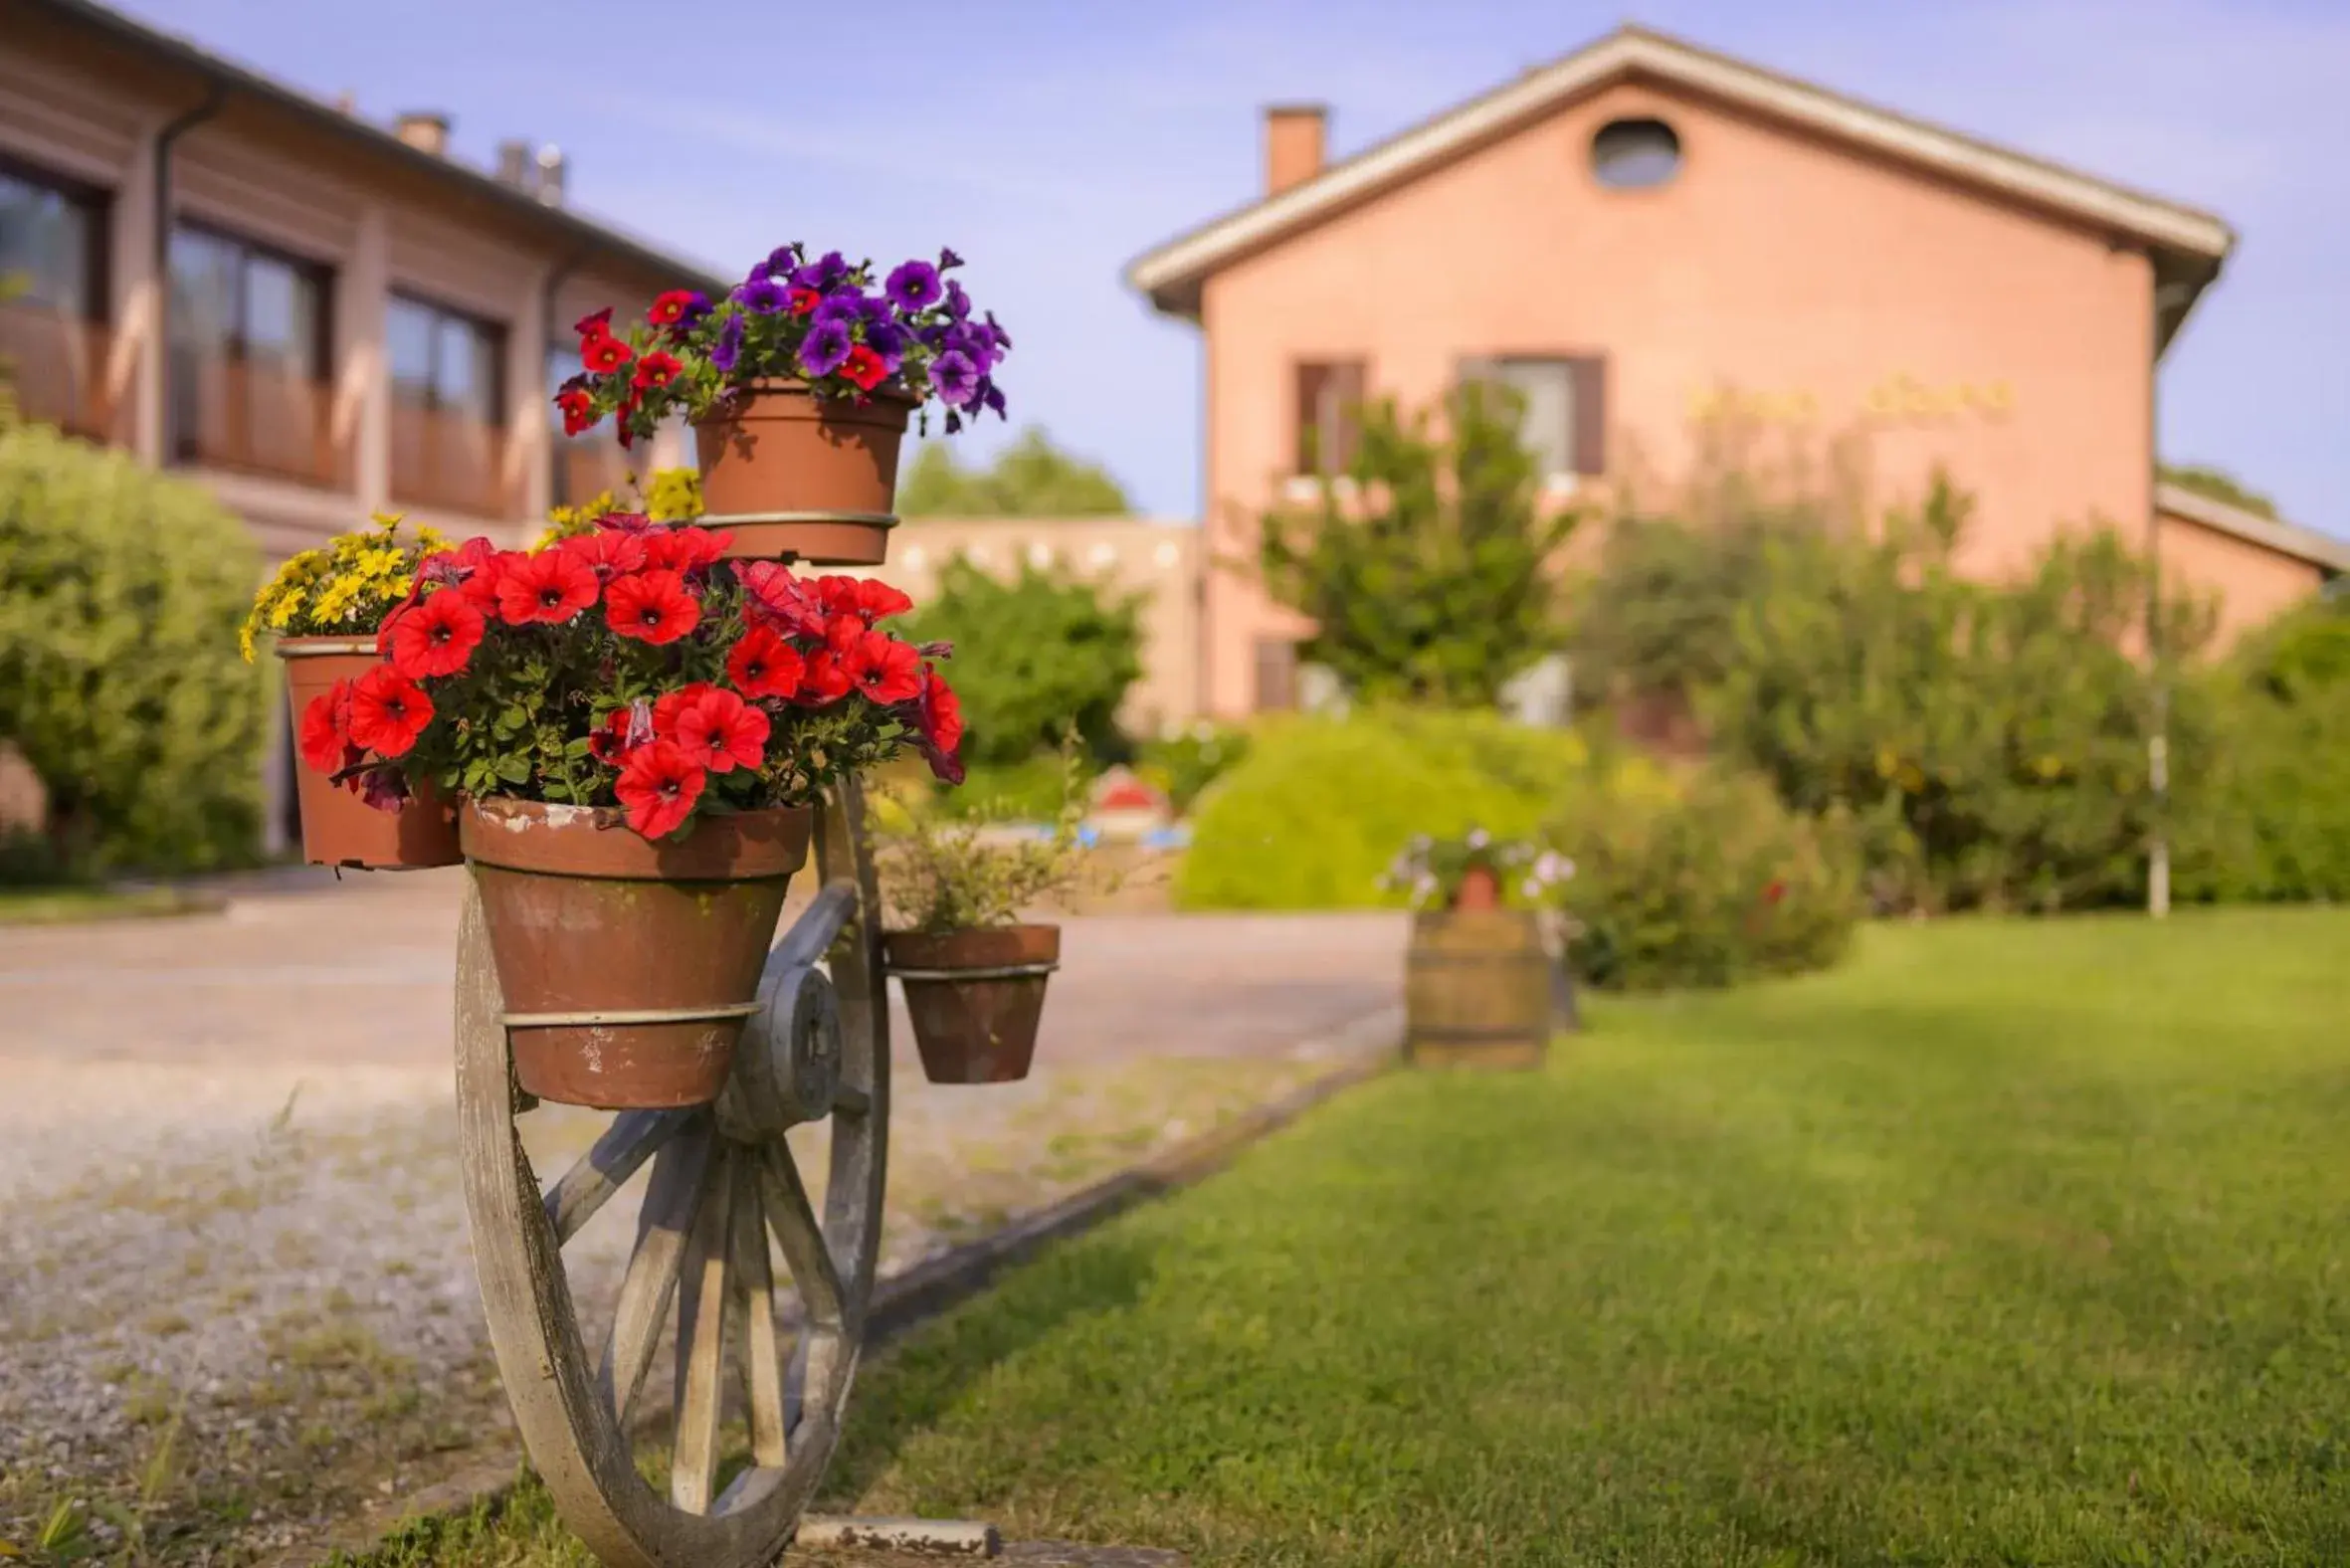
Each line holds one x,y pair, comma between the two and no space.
1276,675
1329,400
444,361
1564,422
51,245
249,356
1634,154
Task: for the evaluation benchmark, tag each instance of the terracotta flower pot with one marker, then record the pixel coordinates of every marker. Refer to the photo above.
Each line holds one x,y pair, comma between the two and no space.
337,827
975,997
629,968
795,474
1479,888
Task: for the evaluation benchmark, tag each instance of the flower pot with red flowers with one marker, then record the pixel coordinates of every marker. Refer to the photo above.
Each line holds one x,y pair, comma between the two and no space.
325,610
800,385
638,730
972,962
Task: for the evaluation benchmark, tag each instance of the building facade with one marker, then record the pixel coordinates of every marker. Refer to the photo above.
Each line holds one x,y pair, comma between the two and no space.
1649,242
315,316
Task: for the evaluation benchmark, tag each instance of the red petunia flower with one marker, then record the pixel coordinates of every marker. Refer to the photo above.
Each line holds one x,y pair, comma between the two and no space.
608,552
867,598
826,680
435,636
579,410
685,549
656,369
604,353
611,740
552,586
659,785
863,367
326,728
762,663
803,301
652,607
777,598
720,732
388,712
595,324
671,306
668,706
885,668
941,715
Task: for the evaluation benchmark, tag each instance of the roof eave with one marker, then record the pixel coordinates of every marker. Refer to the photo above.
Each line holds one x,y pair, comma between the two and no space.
210,67
2321,550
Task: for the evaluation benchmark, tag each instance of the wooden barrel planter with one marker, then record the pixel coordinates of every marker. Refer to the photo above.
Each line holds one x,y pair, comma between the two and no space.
1478,989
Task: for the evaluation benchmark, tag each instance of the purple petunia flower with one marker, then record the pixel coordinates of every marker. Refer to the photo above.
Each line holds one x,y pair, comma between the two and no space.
993,396
948,260
915,287
825,348
958,304
783,258
694,309
760,272
995,329
762,294
845,305
728,350
823,273
887,340
954,422
955,378
875,310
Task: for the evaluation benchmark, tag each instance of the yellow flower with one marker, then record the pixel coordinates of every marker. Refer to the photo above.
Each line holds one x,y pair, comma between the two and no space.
282,614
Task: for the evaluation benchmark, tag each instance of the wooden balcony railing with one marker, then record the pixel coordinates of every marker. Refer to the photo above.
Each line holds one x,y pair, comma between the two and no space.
254,418
450,462
56,367
588,467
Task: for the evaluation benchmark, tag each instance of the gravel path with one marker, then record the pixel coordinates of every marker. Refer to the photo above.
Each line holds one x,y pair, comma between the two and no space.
236,1291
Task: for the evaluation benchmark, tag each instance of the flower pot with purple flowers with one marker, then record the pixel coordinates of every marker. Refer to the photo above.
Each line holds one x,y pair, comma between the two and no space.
800,386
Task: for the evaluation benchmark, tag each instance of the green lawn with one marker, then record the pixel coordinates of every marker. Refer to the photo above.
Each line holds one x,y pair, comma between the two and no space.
2009,1242
67,905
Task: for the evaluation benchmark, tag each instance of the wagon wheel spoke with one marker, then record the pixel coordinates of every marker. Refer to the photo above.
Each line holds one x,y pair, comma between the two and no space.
752,1316
793,1220
663,1226
702,1297
633,1138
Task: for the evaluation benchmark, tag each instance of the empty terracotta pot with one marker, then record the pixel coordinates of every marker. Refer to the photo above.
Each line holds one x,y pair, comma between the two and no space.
337,827
630,968
975,997
793,475
1479,888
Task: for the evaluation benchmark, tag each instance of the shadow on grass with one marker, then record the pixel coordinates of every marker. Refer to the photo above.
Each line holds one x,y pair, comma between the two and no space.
920,1380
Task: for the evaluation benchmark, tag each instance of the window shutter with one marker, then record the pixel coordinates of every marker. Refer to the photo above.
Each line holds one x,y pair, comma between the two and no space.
1308,455
1276,675
1348,387
1591,414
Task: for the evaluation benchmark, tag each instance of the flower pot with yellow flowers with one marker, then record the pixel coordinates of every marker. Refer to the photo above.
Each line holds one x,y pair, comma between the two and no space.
324,611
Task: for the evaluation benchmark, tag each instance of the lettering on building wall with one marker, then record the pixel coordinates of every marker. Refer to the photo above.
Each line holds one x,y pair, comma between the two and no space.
1897,398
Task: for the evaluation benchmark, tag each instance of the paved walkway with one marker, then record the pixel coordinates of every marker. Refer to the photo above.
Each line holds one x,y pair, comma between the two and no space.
234,1276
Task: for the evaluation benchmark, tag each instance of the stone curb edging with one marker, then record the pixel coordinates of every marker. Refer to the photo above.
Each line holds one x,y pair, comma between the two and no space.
1367,1048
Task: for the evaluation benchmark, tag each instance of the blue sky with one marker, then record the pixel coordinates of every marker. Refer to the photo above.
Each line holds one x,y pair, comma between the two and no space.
1051,140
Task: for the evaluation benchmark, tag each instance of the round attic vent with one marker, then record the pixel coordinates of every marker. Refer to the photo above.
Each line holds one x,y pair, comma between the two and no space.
1634,154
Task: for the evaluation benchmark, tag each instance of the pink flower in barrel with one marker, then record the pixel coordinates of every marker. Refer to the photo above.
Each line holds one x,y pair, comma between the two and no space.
799,385
1475,872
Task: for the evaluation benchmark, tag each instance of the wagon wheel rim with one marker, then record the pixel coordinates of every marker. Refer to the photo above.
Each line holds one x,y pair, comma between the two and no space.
719,1184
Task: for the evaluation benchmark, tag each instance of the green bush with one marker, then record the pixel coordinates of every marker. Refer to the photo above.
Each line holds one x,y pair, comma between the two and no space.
1184,766
2268,817
1030,790
1319,806
1035,655
1706,883
120,595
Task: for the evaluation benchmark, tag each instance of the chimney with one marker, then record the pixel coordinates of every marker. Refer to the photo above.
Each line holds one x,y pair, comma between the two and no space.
425,132
1293,138
550,175
513,164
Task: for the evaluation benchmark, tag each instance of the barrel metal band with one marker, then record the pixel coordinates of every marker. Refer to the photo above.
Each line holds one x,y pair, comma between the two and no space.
998,972
651,1014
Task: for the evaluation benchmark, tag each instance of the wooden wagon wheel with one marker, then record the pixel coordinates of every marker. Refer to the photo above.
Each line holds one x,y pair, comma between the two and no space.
723,1180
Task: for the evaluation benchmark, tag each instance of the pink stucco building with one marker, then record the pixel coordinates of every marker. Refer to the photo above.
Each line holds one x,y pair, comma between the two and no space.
1645,239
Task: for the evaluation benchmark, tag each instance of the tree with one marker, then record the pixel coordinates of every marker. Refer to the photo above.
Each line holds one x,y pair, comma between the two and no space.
1433,581
1032,477
1037,653
2218,484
